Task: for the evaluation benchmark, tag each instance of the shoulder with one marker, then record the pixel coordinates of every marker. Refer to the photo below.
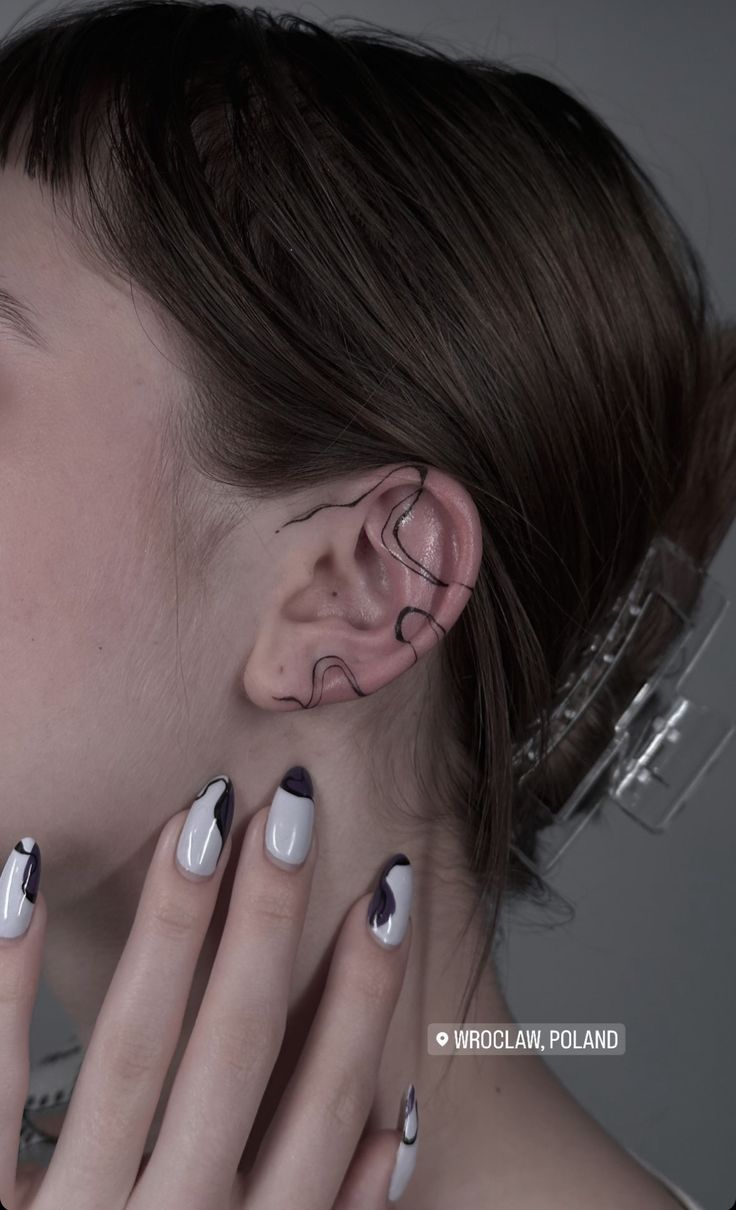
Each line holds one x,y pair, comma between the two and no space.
681,1198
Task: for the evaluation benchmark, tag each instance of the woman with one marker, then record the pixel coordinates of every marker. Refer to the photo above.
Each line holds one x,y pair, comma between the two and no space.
345,386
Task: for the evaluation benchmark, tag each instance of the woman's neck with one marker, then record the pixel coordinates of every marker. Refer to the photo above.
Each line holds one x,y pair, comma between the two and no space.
473,1113
85,939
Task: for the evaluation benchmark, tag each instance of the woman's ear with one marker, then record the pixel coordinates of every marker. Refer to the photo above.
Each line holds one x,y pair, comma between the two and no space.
369,578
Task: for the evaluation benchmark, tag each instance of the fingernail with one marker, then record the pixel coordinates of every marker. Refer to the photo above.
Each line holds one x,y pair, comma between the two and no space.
406,1154
206,828
290,818
19,887
388,910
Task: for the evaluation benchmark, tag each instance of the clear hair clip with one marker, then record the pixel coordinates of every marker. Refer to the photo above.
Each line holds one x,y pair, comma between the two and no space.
663,743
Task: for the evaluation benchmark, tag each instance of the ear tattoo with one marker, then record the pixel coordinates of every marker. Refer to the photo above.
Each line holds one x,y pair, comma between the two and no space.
338,663
408,561
400,621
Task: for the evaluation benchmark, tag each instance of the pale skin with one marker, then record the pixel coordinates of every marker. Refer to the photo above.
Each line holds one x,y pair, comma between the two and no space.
109,730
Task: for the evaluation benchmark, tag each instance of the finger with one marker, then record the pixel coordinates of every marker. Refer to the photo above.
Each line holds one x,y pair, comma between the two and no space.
98,1154
316,1129
366,1185
382,1165
22,932
240,1025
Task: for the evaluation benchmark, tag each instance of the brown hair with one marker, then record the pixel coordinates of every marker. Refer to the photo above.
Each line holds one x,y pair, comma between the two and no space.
375,252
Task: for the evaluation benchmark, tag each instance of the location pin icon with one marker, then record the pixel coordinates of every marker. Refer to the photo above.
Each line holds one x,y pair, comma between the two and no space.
442,1038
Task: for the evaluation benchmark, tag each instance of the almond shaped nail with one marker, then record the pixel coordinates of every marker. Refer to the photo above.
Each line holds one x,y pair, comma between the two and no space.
388,911
206,828
19,887
406,1154
290,820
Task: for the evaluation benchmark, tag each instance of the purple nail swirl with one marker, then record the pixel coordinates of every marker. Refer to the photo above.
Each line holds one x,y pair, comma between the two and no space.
383,904
297,781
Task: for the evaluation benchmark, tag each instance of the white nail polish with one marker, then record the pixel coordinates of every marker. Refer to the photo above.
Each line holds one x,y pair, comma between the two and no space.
406,1154
388,911
19,887
206,828
290,819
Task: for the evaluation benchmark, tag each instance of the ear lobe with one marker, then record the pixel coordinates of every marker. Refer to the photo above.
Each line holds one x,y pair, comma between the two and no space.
393,566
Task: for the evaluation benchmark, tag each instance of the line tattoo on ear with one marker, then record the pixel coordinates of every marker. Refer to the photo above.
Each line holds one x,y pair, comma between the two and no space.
400,621
412,496
339,663
407,561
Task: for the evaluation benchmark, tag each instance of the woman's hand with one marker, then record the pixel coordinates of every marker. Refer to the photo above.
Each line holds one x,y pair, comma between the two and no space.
313,1156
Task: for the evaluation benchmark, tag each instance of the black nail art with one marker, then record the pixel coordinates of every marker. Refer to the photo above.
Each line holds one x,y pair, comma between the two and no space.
297,781
32,872
409,1136
224,807
383,903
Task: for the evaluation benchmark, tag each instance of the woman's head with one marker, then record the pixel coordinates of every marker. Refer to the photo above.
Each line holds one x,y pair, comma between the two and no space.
307,268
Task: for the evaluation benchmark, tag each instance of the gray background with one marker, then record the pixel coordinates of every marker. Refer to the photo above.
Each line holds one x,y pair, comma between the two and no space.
651,944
